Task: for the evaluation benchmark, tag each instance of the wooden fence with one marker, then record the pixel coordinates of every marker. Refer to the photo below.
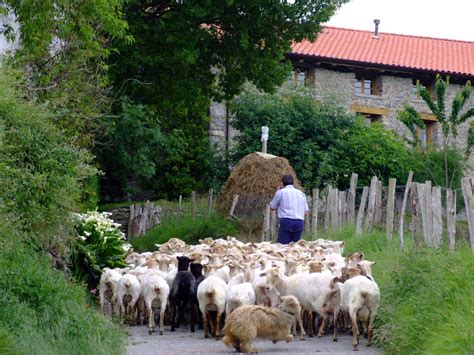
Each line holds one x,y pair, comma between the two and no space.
386,208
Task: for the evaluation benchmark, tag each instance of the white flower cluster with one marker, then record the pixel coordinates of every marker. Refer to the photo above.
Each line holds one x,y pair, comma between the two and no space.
100,222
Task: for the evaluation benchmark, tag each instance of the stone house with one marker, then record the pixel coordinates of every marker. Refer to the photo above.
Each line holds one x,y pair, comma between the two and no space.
374,74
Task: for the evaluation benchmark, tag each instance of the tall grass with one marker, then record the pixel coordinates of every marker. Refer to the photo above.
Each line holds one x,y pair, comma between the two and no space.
43,313
427,300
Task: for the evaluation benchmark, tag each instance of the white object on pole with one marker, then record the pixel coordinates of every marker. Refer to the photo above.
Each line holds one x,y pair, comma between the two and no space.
264,133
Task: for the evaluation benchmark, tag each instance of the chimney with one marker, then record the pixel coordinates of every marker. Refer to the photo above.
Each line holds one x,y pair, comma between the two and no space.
376,32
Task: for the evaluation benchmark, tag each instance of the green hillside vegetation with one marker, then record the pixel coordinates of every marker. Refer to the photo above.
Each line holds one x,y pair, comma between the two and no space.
426,295
42,174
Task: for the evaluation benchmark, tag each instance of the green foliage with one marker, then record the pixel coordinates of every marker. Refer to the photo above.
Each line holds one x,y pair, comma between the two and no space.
426,295
139,156
431,166
411,119
187,229
369,150
301,130
42,313
41,171
100,244
64,45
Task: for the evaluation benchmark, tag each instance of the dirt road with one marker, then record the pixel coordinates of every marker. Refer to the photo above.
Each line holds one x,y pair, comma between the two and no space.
184,342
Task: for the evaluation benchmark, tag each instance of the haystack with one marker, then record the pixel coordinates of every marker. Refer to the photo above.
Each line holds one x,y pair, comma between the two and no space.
255,179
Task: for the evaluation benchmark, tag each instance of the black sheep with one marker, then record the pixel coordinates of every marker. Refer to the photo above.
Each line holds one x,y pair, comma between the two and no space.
183,293
196,270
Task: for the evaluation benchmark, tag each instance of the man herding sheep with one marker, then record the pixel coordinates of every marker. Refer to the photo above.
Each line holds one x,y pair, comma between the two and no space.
291,206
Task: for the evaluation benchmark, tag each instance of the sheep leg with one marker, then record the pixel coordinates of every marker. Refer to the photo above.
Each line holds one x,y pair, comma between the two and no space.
247,348
370,329
355,331
193,317
334,337
162,318
310,323
151,319
205,320
300,322
324,323
218,325
173,316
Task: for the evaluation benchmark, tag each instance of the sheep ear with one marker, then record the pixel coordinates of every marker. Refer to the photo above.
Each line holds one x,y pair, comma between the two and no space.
373,263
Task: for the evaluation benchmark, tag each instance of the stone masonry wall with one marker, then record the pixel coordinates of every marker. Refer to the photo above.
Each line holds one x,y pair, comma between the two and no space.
396,92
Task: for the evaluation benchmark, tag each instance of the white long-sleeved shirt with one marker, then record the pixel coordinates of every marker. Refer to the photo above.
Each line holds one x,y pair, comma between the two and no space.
290,203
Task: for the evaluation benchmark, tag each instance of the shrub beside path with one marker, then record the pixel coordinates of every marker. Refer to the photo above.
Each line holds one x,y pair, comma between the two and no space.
183,342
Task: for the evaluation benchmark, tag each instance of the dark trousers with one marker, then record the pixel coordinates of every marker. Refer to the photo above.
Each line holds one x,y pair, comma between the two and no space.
290,230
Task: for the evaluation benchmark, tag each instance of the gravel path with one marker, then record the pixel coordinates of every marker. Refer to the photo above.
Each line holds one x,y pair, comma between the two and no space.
184,342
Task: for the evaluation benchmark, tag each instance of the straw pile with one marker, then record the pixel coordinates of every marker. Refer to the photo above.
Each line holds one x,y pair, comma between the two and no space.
255,179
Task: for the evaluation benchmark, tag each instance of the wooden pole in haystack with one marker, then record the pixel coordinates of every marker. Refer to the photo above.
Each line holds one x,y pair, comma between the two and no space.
264,139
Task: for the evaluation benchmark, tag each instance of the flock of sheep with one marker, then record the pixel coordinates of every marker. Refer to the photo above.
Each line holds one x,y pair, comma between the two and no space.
263,289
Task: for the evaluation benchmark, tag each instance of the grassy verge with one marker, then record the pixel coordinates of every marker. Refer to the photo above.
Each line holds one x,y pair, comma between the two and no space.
187,229
427,305
43,313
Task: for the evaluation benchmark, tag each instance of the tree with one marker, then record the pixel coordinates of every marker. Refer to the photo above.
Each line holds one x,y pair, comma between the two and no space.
449,121
301,130
186,53
63,49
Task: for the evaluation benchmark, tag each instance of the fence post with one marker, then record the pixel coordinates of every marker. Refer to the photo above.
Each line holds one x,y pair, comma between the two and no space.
334,204
402,214
342,207
266,223
378,204
390,207
351,199
415,214
327,208
469,203
180,205
421,190
429,213
307,221
193,204
273,226
234,204
360,214
451,217
437,229
371,205
314,213
209,202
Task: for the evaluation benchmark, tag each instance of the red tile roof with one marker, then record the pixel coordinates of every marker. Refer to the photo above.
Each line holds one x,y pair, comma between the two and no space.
413,52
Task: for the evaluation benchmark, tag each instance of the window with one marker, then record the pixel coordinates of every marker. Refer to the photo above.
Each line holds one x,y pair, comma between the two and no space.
367,85
303,77
425,135
372,118
425,83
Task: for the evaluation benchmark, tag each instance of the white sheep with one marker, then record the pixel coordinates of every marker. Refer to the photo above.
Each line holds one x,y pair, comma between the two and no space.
360,298
239,295
128,293
211,295
107,287
155,291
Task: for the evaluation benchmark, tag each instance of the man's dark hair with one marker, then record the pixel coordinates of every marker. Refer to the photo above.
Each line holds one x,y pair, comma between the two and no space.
287,180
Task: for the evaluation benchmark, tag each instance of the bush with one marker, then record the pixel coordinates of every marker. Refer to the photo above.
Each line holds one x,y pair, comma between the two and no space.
301,130
41,312
187,229
369,150
41,172
100,243
426,295
431,166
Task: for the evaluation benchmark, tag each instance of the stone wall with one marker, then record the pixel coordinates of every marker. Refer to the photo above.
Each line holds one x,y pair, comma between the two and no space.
396,92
